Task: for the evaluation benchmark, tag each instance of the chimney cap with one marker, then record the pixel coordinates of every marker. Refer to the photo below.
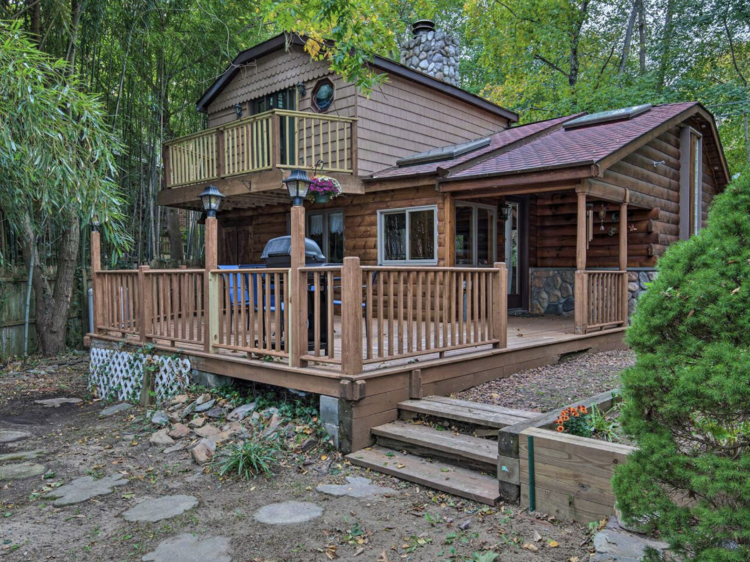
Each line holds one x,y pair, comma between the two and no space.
422,26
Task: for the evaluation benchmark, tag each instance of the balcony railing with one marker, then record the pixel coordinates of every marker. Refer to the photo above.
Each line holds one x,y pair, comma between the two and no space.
274,139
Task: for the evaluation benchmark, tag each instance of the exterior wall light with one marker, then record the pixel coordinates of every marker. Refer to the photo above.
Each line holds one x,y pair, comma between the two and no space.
211,199
297,184
504,211
238,110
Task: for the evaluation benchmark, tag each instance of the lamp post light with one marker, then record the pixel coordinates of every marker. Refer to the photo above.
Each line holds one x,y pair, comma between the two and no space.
505,211
211,199
297,184
95,224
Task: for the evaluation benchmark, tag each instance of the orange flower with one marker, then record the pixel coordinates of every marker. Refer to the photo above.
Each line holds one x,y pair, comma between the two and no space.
582,409
565,417
560,428
574,414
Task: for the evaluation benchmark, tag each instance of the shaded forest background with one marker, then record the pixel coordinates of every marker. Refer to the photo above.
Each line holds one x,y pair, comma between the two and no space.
148,61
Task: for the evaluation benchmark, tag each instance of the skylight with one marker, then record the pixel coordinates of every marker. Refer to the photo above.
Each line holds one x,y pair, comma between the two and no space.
608,116
442,153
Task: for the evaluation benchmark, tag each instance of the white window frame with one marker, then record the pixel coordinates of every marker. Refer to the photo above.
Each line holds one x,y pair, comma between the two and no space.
687,191
381,235
475,234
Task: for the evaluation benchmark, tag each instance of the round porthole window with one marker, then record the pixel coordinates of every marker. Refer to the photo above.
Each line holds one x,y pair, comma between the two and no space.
322,96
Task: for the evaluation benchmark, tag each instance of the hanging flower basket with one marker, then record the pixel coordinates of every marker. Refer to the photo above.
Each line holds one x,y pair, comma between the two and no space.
323,189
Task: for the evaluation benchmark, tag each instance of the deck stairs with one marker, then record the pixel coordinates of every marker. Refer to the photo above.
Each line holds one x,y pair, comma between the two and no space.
442,443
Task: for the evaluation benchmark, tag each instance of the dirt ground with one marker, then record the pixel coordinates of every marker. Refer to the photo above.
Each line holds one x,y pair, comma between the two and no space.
555,386
411,523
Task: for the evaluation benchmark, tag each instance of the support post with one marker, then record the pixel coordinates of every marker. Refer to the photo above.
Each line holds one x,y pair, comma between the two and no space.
298,330
220,153
581,301
355,150
276,141
500,306
96,266
145,305
211,305
351,317
624,262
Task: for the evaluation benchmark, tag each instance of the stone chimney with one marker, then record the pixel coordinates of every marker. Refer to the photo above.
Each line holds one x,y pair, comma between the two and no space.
432,52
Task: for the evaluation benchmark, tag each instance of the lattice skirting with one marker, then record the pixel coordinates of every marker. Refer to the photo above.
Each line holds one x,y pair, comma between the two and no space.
118,375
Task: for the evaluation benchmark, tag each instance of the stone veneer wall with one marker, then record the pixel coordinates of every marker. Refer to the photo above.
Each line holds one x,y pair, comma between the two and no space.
552,290
434,53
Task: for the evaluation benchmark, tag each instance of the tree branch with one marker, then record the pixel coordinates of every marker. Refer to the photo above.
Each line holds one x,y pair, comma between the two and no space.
731,49
551,65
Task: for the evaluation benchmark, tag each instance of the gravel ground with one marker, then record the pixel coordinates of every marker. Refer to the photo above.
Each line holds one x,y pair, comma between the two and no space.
554,386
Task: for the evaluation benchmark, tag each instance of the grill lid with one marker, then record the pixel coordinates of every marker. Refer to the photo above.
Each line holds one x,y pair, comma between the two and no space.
282,247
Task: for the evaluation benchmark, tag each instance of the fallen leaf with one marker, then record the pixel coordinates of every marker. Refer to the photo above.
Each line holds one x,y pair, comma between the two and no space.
531,547
537,536
553,544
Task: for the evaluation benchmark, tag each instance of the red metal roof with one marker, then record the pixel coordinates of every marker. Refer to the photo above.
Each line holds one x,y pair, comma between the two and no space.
561,148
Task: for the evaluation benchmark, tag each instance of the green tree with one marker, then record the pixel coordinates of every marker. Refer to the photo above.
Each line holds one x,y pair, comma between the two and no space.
687,399
57,163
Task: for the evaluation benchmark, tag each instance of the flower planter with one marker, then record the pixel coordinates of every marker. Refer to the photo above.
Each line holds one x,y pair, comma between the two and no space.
322,198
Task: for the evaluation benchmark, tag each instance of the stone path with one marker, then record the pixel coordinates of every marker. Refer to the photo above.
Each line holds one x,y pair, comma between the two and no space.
614,544
358,487
20,471
11,436
288,513
85,488
160,508
21,456
187,548
57,402
116,409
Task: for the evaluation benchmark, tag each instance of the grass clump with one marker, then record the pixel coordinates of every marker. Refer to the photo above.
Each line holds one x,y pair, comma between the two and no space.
249,459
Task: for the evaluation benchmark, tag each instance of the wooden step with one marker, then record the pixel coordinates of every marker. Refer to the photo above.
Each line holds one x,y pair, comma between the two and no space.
475,413
426,441
438,476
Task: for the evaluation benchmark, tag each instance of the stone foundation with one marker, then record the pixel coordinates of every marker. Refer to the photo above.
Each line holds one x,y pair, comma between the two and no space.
552,290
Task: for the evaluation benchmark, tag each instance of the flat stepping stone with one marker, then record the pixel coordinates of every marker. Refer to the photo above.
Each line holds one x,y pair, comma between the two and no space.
620,546
116,409
83,489
11,436
188,548
21,471
21,456
358,487
165,507
288,513
57,402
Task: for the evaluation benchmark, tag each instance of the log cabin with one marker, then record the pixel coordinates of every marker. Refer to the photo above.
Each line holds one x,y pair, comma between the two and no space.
464,247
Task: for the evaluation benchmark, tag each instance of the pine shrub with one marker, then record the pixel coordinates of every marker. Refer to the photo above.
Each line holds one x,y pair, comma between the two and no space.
687,398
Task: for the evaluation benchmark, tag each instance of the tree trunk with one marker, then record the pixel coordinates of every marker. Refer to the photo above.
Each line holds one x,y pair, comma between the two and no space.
641,36
666,41
52,303
36,19
747,137
628,37
574,44
174,232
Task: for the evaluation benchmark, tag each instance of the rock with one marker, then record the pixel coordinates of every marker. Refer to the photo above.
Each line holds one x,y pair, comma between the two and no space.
174,417
308,444
203,451
161,437
188,548
619,546
205,406
179,431
288,513
188,410
21,471
358,487
221,437
239,414
85,488
202,399
216,412
633,287
151,511
179,399
159,418
197,422
10,436
57,402
207,430
175,448
555,296
21,456
116,409
569,305
273,426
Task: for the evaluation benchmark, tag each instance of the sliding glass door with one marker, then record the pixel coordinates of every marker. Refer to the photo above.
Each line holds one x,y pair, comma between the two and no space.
476,228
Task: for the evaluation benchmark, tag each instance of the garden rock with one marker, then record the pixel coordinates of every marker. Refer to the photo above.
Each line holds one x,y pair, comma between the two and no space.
151,511
57,402
161,437
239,414
288,513
216,412
175,448
21,471
159,418
9,436
203,451
358,487
189,410
205,406
179,431
207,430
116,409
187,548
21,456
197,422
273,426
85,488
179,399
202,399
619,546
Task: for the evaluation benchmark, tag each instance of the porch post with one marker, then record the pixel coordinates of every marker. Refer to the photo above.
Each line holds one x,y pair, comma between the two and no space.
500,306
624,261
96,266
581,296
297,331
211,307
276,141
351,317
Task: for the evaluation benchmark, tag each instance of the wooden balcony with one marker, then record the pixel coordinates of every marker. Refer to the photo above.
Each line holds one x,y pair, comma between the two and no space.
276,139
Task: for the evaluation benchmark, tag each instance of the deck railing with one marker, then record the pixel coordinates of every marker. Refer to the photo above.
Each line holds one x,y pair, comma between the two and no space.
601,299
120,299
276,138
174,304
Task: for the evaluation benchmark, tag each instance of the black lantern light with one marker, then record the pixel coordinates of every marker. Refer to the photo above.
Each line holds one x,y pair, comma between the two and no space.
238,110
95,224
297,184
301,90
211,199
505,210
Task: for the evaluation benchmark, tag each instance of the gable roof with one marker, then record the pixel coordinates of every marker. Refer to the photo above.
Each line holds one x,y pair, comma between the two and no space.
498,141
281,41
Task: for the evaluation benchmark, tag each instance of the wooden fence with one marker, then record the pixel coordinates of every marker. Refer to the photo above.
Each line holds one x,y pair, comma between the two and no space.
276,138
173,304
601,299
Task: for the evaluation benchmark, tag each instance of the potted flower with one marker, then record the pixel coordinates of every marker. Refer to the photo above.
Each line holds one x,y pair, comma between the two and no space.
323,189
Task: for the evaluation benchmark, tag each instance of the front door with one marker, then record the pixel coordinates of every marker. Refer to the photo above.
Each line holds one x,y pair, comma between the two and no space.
516,252
476,238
